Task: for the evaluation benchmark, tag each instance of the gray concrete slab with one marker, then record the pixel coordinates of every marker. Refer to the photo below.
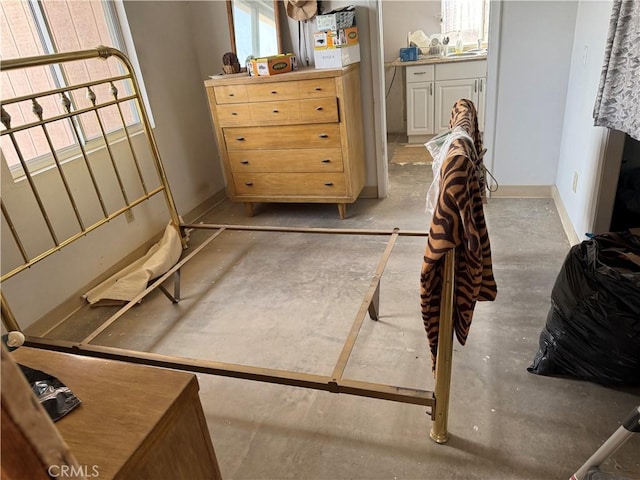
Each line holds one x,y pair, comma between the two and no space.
287,301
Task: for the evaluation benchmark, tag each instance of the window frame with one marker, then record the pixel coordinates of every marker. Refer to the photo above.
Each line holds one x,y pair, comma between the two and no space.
118,28
484,21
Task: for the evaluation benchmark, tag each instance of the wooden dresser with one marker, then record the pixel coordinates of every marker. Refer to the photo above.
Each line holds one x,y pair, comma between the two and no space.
292,137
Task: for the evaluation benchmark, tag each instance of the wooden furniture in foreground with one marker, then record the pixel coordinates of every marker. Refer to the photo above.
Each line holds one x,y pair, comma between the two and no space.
291,137
135,421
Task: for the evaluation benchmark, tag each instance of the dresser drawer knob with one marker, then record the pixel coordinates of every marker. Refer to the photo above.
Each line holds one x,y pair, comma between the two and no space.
318,89
326,160
249,184
328,184
244,162
240,139
273,92
323,135
234,113
275,111
231,94
318,108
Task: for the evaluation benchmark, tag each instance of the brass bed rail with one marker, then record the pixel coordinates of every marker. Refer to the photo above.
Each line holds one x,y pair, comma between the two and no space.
336,383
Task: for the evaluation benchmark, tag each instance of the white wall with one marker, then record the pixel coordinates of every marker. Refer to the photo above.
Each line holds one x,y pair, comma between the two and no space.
210,35
171,60
536,40
581,144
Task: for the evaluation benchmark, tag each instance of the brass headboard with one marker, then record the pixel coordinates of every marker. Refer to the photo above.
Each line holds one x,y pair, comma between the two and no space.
102,94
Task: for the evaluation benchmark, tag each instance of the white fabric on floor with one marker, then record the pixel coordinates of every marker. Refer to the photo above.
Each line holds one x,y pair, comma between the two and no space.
133,279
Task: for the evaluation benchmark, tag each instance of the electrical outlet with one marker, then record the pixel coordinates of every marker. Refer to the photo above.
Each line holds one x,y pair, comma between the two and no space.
574,187
130,218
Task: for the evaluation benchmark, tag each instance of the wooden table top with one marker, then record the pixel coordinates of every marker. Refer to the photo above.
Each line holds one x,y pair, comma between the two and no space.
121,403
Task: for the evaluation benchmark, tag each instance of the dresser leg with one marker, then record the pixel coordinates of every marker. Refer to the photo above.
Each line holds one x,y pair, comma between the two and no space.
342,210
248,209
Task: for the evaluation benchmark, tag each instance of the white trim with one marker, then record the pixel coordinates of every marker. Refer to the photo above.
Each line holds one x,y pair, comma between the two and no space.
379,98
572,236
493,70
523,191
603,191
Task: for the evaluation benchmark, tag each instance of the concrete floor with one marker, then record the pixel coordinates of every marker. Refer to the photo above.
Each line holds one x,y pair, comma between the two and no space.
287,301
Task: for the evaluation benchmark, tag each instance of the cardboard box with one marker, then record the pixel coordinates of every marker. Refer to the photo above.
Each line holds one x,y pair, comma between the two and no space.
337,19
273,65
336,38
337,57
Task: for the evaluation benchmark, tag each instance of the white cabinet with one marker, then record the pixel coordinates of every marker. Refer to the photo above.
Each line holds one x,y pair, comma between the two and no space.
420,99
448,92
420,108
432,90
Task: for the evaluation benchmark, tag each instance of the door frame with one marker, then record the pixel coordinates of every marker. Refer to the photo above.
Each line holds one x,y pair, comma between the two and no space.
378,80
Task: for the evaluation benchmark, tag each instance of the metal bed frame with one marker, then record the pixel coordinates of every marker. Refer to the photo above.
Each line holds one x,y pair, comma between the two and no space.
336,383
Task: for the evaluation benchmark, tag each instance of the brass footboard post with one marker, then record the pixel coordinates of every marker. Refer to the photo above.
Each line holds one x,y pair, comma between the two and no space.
439,433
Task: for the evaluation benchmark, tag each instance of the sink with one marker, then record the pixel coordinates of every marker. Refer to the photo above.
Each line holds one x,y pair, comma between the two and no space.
469,53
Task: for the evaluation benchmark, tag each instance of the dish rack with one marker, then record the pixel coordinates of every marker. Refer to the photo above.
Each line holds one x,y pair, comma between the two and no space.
431,46
434,51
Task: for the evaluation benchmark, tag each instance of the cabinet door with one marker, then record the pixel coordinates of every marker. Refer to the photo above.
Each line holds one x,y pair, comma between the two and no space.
480,105
448,92
420,108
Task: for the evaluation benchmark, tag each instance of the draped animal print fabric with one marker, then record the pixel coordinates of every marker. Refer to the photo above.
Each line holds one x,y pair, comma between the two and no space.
458,221
618,99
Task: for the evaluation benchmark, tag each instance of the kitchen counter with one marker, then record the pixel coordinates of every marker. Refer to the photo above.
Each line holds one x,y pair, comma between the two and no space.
425,60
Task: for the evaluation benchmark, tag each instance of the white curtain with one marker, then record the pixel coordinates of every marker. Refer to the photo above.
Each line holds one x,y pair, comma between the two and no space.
469,18
618,99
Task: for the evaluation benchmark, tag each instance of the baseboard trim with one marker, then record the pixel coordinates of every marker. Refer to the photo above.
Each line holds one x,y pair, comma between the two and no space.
523,191
71,305
541,191
201,210
569,231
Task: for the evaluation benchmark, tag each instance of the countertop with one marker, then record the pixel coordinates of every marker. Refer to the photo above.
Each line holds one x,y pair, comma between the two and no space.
425,60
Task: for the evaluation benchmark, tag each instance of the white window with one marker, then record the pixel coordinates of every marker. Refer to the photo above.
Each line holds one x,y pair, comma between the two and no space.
466,19
30,28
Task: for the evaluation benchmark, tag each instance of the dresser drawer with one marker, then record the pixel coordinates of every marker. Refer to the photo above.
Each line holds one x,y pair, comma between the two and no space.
323,135
267,92
283,111
291,160
294,184
233,114
230,94
320,87
319,110
314,110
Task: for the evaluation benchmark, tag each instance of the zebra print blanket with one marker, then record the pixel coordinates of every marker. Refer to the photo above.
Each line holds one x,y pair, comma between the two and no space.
458,221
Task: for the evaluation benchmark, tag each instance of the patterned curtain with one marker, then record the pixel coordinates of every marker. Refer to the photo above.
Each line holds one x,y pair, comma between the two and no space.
618,100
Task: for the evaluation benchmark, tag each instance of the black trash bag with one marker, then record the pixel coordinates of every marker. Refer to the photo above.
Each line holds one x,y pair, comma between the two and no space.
593,326
56,398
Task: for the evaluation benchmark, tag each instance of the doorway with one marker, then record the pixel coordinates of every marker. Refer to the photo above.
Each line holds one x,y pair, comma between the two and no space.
389,139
